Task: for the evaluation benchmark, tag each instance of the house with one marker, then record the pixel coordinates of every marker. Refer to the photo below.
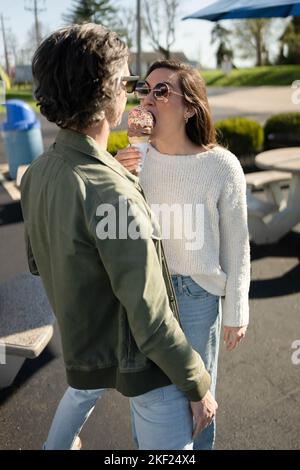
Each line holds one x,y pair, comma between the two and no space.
23,74
147,58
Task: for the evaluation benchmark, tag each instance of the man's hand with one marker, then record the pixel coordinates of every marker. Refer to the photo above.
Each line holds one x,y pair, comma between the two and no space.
138,131
130,158
233,335
203,412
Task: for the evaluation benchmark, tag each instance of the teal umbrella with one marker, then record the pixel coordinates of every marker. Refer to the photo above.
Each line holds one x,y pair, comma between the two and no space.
235,9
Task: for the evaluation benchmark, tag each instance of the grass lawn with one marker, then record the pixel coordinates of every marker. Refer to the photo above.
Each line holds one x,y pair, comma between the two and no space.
277,75
25,94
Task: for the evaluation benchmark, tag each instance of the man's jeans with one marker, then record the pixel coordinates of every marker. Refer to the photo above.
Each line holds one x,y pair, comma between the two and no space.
161,418
73,410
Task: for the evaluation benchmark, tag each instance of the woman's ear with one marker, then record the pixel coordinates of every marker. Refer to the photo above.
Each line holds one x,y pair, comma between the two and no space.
189,112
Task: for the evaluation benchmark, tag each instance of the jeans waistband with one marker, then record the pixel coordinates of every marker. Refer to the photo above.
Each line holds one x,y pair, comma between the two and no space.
178,280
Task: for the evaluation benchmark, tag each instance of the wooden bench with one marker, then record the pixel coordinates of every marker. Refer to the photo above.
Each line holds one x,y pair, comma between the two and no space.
26,324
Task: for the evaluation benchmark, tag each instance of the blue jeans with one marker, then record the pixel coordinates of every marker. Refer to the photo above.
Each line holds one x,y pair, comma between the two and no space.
161,418
73,410
200,316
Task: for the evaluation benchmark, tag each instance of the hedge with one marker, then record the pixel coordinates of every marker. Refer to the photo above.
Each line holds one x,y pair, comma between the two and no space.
241,136
117,140
282,130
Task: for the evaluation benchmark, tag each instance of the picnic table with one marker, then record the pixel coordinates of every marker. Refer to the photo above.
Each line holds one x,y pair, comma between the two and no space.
26,324
278,223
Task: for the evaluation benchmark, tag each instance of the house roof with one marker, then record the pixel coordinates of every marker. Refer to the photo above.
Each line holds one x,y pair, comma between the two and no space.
150,57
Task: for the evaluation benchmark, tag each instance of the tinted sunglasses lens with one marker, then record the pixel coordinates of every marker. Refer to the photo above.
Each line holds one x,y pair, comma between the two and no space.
142,89
130,86
161,91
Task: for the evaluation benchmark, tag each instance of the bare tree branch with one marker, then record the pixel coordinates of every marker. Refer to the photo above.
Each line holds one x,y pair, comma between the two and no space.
160,20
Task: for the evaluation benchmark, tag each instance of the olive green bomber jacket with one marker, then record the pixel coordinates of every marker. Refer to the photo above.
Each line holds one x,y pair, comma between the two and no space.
116,314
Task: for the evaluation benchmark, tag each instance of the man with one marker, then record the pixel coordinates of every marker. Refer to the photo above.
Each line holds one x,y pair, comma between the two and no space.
87,235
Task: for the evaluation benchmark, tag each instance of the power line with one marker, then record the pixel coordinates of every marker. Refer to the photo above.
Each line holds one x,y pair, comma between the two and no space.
36,10
138,38
5,43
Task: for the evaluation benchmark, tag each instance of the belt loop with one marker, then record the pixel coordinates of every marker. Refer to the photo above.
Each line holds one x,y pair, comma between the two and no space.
180,286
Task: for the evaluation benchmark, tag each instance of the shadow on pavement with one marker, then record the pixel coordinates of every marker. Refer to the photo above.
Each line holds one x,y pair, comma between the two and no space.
11,213
288,283
29,368
287,247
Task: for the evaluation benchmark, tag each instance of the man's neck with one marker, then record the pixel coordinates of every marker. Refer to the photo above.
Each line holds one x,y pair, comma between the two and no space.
100,133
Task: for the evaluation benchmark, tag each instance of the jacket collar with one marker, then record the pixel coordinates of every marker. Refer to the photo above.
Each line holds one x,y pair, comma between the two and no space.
85,144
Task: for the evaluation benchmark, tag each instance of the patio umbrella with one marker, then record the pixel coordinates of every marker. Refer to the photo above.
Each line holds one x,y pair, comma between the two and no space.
234,9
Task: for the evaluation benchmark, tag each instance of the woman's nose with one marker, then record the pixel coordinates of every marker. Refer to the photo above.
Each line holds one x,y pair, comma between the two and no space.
148,100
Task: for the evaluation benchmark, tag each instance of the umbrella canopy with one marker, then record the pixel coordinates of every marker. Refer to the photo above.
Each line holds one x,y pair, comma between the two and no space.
234,9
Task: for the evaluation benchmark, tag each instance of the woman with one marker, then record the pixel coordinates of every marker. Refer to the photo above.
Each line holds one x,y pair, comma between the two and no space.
185,166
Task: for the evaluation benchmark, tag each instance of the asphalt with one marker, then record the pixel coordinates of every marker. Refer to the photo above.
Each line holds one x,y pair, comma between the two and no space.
258,385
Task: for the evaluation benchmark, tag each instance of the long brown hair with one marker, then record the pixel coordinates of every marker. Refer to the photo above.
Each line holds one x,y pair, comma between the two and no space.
199,128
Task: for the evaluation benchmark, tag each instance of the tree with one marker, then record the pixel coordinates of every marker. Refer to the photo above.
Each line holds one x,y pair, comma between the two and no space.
252,39
221,36
29,48
12,46
104,13
290,43
126,25
94,11
160,20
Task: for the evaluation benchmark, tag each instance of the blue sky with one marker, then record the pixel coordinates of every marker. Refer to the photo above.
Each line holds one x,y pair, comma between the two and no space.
193,37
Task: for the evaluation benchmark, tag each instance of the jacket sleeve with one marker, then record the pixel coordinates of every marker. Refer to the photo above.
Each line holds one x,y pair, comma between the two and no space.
30,258
136,278
234,247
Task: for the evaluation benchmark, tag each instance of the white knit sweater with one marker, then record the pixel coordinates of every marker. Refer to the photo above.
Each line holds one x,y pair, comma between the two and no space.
213,185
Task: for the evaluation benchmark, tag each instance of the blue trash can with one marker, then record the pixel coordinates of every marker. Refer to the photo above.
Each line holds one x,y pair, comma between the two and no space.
22,136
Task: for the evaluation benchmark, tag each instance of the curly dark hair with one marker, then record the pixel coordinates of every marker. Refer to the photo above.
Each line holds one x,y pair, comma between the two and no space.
75,71
199,128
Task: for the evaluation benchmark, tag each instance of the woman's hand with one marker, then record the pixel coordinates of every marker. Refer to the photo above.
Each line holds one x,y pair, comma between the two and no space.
130,158
233,335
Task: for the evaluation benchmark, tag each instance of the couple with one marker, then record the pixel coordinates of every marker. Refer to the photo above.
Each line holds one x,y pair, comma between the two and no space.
114,297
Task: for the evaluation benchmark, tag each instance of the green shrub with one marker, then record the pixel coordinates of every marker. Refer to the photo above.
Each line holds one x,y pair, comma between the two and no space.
117,140
241,136
282,130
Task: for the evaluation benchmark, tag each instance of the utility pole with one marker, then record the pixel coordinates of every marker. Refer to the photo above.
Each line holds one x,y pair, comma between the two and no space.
5,44
138,37
36,10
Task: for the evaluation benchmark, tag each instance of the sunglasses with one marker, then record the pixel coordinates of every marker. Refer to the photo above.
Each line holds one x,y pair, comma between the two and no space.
129,83
161,91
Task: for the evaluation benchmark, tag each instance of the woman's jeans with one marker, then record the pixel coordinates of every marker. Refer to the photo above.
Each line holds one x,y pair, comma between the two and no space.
161,418
200,316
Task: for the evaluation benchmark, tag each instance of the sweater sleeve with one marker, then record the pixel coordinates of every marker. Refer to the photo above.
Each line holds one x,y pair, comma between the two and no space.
234,246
